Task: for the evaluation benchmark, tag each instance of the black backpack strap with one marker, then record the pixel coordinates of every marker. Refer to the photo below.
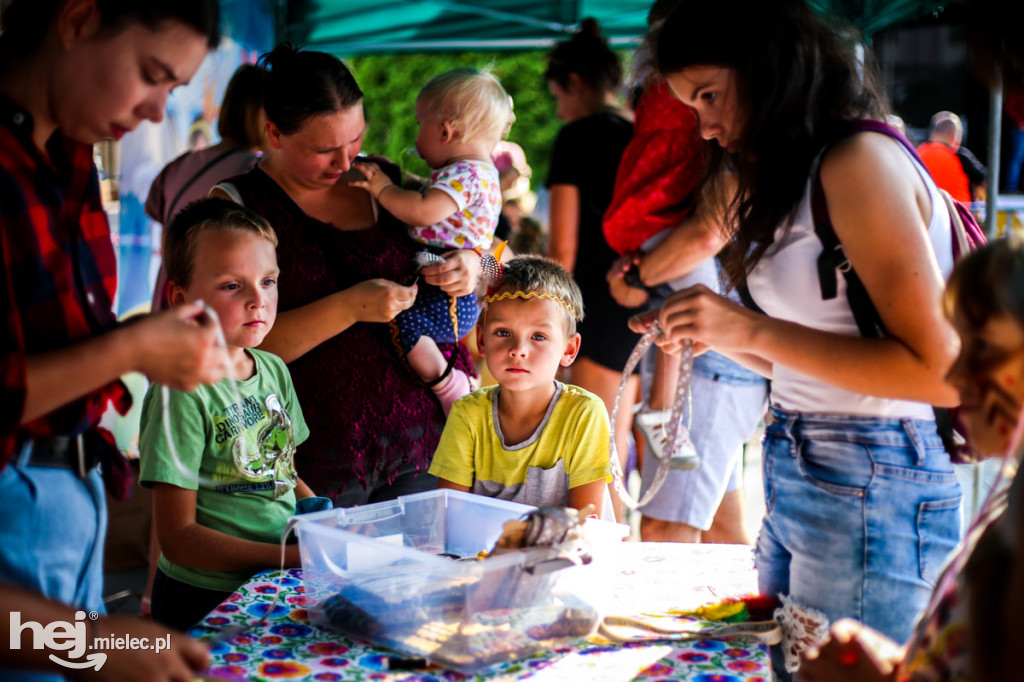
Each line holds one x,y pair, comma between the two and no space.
833,257
747,300
947,432
742,290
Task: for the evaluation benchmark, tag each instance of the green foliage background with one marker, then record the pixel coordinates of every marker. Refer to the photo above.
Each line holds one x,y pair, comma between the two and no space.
391,83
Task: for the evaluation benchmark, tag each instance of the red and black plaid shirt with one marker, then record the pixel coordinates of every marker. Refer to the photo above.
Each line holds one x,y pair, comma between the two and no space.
59,272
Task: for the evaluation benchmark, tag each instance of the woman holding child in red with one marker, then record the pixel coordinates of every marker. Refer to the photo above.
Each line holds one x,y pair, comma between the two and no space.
73,72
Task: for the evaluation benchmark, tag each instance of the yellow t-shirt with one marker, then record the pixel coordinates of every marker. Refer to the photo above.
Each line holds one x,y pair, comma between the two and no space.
570,448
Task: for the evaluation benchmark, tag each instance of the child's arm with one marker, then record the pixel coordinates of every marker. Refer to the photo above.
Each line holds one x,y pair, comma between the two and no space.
187,543
459,273
302,490
589,493
451,485
564,219
699,237
455,455
414,208
587,452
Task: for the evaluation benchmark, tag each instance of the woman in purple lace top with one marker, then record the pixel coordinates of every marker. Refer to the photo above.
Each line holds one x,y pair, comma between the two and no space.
373,426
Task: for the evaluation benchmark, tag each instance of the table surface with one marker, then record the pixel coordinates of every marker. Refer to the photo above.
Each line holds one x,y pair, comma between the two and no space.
648,579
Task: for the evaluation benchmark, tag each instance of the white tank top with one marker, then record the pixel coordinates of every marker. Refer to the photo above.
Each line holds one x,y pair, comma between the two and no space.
785,285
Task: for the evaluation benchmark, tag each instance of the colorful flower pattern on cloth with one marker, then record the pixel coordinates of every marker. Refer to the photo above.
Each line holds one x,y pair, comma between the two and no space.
475,188
287,646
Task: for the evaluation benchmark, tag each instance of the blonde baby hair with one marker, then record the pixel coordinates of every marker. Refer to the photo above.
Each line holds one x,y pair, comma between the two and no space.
210,213
472,101
528,277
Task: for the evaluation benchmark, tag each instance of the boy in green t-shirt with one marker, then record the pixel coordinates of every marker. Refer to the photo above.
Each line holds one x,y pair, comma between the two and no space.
531,438
221,502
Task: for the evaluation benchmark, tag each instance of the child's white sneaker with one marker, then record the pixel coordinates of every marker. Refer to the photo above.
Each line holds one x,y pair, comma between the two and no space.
653,426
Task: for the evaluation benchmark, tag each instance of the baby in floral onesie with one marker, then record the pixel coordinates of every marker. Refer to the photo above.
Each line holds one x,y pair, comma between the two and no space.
462,114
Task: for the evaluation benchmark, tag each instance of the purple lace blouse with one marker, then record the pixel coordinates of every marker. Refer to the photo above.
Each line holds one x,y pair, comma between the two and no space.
367,413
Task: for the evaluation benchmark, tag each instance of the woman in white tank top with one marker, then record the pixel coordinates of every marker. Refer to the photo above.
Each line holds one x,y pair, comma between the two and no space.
862,502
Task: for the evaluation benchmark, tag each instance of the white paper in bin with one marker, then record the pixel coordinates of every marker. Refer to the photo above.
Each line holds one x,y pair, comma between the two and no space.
358,560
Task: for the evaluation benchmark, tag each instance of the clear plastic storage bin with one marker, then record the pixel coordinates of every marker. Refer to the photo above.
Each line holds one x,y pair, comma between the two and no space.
405,574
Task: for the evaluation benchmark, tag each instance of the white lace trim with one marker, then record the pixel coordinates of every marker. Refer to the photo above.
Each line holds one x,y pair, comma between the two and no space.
802,626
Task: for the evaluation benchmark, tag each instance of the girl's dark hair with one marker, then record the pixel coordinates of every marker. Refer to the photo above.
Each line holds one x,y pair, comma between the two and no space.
25,22
241,112
587,55
798,79
301,85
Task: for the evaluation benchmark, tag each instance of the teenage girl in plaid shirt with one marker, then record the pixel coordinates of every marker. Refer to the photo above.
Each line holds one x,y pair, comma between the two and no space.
73,72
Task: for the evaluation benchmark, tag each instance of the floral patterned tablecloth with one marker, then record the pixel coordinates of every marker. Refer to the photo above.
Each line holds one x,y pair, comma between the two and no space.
648,579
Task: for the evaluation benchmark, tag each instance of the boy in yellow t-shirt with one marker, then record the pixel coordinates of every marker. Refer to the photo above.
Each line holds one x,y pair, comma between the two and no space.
531,438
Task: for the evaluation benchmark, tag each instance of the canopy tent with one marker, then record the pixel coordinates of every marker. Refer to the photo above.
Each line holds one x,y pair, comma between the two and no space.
871,16
354,27
357,27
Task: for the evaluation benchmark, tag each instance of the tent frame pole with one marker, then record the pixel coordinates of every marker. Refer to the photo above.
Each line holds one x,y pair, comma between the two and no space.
995,124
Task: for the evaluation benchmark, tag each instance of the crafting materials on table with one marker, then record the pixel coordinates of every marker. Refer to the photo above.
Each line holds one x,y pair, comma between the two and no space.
647,580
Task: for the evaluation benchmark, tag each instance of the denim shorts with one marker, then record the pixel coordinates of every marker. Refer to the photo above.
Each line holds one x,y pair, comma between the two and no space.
52,536
861,514
728,403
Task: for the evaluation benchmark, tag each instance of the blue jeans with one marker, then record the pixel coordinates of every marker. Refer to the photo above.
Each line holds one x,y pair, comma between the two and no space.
52,536
861,513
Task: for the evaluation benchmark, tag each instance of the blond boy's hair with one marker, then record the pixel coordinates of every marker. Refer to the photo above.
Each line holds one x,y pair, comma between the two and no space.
210,213
472,101
543,277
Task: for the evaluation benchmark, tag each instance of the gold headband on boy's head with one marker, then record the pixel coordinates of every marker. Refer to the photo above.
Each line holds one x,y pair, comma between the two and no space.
491,298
